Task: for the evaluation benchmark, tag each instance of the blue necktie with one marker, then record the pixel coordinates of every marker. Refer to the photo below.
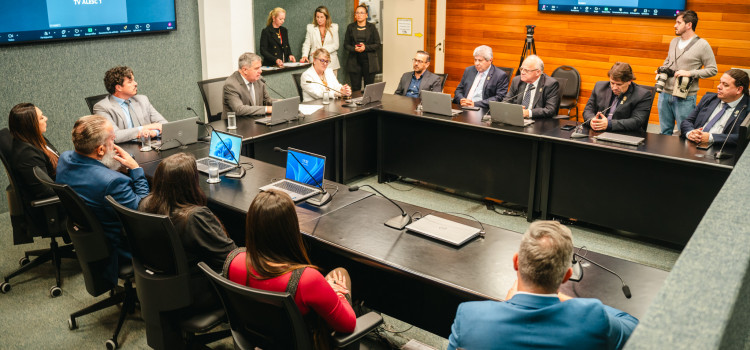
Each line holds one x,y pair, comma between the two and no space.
718,116
527,97
612,109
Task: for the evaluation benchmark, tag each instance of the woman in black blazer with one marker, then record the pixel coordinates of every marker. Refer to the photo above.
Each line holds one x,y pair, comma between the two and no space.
363,43
30,149
274,40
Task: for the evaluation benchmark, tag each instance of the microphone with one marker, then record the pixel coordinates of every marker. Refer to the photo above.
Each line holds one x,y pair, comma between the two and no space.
720,154
269,86
234,174
192,110
579,273
398,222
325,197
323,85
205,132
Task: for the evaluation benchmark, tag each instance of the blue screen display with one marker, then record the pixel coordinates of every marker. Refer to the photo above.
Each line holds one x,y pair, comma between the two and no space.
314,164
227,149
639,8
42,20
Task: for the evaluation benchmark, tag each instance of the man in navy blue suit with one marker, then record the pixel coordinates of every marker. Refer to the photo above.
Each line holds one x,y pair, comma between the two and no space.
98,168
718,116
482,82
535,315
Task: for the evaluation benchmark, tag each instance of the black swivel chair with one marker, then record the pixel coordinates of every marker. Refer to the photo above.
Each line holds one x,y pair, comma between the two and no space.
92,100
26,225
163,278
509,72
562,84
298,83
444,77
212,91
271,320
569,96
94,254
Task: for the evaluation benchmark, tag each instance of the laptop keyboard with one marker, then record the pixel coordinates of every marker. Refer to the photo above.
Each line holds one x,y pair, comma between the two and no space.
294,187
222,165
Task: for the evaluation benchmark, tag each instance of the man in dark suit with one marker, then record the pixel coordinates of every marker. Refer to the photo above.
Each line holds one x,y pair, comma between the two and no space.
718,116
535,315
131,115
482,82
244,92
538,93
98,168
618,104
412,83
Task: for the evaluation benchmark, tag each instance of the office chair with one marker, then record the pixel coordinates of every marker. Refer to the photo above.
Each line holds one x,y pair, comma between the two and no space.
298,83
92,100
651,88
94,255
562,83
26,223
569,96
271,320
444,77
164,283
212,91
509,72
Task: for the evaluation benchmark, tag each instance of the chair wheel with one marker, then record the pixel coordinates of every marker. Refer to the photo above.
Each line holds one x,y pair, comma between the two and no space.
23,261
5,287
55,292
111,344
72,324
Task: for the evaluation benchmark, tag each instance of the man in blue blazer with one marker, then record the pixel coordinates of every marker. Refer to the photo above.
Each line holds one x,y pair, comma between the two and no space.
535,315
718,116
482,82
98,168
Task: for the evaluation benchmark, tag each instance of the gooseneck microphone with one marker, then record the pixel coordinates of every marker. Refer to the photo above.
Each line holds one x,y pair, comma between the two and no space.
323,85
233,174
192,110
325,197
398,222
720,154
625,288
269,87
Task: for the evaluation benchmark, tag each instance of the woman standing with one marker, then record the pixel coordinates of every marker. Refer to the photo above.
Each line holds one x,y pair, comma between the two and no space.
363,43
320,76
274,40
322,34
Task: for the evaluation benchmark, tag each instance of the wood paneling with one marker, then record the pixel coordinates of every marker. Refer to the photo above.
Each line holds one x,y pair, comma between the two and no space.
590,43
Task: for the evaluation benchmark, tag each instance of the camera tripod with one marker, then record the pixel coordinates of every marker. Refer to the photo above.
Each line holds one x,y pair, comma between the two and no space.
527,46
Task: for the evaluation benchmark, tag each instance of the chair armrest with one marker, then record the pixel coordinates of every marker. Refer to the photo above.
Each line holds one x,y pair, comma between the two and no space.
365,324
45,202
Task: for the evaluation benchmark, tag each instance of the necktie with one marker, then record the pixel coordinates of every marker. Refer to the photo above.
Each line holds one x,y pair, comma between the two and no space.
133,119
475,93
724,107
612,108
252,93
527,97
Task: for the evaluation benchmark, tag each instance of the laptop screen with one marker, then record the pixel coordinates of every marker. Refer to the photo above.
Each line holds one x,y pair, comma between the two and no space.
228,150
314,164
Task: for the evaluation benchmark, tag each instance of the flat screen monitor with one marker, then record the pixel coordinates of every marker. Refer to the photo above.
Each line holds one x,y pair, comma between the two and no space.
23,21
635,8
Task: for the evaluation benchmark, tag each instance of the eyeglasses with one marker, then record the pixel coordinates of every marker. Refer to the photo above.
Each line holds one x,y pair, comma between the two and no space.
323,61
526,71
414,60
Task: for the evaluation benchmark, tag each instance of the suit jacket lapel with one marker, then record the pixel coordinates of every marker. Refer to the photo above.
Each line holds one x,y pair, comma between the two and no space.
738,112
704,117
117,109
487,79
538,92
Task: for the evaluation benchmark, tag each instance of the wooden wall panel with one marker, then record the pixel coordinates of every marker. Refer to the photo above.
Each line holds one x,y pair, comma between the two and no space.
590,43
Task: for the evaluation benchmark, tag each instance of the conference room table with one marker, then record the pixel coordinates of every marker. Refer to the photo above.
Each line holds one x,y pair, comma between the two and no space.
406,275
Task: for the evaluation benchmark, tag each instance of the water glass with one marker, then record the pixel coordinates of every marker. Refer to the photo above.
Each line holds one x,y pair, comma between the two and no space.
326,97
213,172
146,142
231,120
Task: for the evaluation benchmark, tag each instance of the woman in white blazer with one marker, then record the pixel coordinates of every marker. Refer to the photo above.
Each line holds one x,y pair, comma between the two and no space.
322,34
320,76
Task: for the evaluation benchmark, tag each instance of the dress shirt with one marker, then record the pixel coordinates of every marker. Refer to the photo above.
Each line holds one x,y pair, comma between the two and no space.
251,88
413,90
719,126
126,109
534,87
476,89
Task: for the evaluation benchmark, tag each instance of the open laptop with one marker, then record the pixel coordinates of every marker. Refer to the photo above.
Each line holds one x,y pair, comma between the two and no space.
508,113
298,183
373,93
282,111
438,103
224,148
444,230
179,133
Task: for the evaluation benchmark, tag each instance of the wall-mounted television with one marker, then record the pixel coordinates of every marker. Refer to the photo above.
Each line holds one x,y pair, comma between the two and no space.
634,8
23,21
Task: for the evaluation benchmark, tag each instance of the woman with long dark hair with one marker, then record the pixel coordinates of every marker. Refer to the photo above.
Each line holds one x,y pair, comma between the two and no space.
30,149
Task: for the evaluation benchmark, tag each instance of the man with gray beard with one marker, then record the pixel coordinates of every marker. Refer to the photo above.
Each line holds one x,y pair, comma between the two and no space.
98,168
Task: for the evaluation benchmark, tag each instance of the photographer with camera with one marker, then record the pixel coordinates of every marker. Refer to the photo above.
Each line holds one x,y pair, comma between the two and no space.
677,78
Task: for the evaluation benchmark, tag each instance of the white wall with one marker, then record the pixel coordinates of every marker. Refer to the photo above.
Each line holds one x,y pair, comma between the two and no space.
398,50
226,31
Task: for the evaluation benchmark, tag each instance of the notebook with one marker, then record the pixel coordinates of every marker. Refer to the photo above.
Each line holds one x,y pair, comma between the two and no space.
443,230
373,93
304,172
225,148
508,113
282,111
179,133
438,103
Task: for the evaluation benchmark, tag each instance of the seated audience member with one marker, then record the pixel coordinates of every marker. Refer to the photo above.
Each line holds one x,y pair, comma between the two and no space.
320,77
131,115
275,253
619,104
538,93
98,168
274,40
718,116
244,91
412,83
201,233
535,315
482,82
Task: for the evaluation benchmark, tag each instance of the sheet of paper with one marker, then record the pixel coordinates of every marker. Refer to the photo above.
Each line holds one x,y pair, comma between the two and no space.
309,109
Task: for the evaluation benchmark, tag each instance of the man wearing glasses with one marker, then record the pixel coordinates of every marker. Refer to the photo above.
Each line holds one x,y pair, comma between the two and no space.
538,93
412,83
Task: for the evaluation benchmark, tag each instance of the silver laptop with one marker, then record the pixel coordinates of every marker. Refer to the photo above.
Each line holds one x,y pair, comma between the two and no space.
444,230
508,113
179,133
373,93
438,103
224,148
282,111
619,138
303,176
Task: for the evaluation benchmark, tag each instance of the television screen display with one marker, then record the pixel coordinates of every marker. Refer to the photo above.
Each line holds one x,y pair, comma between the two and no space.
637,8
41,20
